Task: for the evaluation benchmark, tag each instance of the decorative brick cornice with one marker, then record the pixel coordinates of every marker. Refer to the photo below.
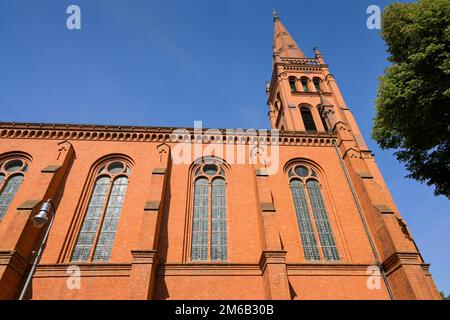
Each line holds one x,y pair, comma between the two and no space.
301,61
304,65
69,132
310,93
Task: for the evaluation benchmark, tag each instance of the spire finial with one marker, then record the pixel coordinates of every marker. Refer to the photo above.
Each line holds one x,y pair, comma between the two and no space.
275,14
283,44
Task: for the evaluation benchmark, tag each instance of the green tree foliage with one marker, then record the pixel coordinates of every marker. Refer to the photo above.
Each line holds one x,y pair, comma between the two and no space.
413,100
444,297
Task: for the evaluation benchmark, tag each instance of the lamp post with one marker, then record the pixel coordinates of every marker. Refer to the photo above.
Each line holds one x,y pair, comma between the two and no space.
39,220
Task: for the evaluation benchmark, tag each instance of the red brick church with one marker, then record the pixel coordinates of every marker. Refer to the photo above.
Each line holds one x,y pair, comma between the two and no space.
126,219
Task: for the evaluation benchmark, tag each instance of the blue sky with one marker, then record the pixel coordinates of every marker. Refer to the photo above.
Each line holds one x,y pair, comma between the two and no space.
168,63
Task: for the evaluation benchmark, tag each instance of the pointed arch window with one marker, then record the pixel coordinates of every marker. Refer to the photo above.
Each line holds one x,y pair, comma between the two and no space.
315,229
12,172
96,238
209,219
308,119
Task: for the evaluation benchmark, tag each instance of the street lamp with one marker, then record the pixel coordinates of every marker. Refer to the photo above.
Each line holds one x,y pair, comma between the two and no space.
41,217
39,220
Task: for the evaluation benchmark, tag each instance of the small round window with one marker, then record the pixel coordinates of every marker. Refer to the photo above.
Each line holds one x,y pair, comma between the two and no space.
13,165
115,167
301,171
210,169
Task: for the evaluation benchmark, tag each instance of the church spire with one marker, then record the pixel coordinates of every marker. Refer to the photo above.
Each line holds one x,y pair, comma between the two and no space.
283,44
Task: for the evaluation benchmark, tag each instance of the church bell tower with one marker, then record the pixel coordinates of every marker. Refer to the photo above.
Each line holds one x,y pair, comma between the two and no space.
304,99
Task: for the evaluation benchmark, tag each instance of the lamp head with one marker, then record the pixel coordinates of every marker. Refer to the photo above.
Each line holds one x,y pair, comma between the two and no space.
41,218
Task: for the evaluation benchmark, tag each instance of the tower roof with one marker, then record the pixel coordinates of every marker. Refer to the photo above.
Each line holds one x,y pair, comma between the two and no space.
283,43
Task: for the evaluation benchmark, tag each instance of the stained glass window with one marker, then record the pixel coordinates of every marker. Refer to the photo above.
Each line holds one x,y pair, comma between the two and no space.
307,196
301,171
210,169
200,220
92,220
11,177
309,242
209,222
13,165
218,221
323,226
111,219
8,192
96,238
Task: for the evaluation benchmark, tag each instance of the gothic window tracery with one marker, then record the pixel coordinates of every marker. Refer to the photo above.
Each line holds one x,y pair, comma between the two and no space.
209,219
12,172
96,237
315,228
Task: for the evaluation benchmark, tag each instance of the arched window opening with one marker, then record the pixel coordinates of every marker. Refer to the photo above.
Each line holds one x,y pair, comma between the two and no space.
307,196
304,221
292,84
304,82
316,82
12,172
308,119
96,238
209,219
